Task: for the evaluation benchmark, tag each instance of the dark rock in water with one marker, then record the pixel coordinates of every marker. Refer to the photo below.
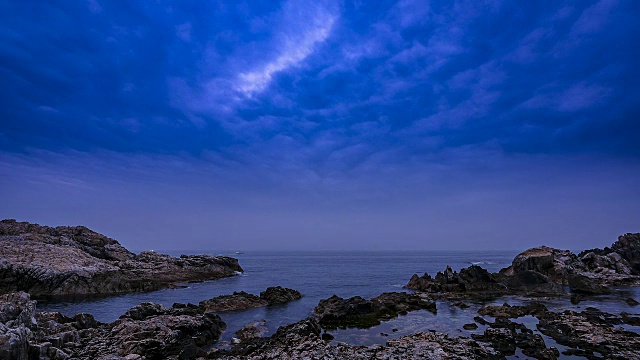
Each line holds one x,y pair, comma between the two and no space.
589,332
327,337
575,299
481,320
238,301
473,279
531,282
304,340
73,260
470,326
460,305
362,313
586,285
243,300
279,295
252,330
508,311
632,302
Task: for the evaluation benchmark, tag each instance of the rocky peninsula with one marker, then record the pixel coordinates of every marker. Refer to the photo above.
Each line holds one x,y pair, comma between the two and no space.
74,260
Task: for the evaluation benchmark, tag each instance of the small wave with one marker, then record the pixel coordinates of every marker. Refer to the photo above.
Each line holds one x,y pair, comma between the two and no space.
482,262
396,285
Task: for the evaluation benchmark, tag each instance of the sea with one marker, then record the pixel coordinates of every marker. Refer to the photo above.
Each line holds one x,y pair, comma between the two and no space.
321,274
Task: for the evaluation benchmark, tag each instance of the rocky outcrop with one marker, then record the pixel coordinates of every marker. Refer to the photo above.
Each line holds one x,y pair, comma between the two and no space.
146,331
591,333
242,300
279,295
237,301
473,279
16,324
302,340
73,260
628,247
358,312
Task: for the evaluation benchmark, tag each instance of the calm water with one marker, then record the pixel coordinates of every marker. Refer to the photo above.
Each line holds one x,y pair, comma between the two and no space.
318,275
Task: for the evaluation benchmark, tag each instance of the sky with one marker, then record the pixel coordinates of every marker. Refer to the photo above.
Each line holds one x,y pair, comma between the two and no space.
323,125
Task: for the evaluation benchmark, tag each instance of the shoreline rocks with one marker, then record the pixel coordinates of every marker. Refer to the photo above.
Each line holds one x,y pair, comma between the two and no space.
361,313
242,300
543,271
73,260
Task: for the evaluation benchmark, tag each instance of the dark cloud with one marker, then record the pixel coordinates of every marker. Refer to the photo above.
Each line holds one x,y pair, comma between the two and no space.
327,97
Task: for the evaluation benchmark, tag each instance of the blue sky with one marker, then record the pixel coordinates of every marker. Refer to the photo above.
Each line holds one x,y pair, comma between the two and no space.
323,124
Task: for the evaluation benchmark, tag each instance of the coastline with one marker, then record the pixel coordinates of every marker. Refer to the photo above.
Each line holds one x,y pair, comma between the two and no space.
455,316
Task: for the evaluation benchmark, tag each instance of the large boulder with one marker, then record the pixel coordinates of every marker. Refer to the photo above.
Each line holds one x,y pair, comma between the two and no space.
68,260
279,295
362,313
628,246
555,264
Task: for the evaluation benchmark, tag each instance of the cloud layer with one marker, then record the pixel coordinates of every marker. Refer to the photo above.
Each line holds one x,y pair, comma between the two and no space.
319,108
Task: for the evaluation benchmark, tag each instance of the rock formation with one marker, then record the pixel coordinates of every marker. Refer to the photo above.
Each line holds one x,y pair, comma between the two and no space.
544,271
303,340
242,300
358,312
73,260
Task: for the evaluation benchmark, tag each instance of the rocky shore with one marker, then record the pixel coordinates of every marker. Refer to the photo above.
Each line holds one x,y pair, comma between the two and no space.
86,262
543,271
146,331
73,260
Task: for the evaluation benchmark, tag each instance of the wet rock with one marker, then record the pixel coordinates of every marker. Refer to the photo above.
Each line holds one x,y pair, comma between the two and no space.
584,284
589,332
575,299
460,304
470,326
327,337
252,330
632,302
472,279
279,295
531,282
237,301
508,311
68,260
362,313
303,340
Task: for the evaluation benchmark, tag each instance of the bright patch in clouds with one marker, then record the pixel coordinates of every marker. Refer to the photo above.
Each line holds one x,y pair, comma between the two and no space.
297,44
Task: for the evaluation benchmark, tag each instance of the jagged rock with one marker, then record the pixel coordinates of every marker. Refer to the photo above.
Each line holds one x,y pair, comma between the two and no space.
362,313
632,302
66,260
238,301
279,295
508,311
304,340
472,279
530,282
590,331
628,247
252,330
583,284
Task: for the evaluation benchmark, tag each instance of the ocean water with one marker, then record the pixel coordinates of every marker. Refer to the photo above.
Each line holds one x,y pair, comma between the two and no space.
319,275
